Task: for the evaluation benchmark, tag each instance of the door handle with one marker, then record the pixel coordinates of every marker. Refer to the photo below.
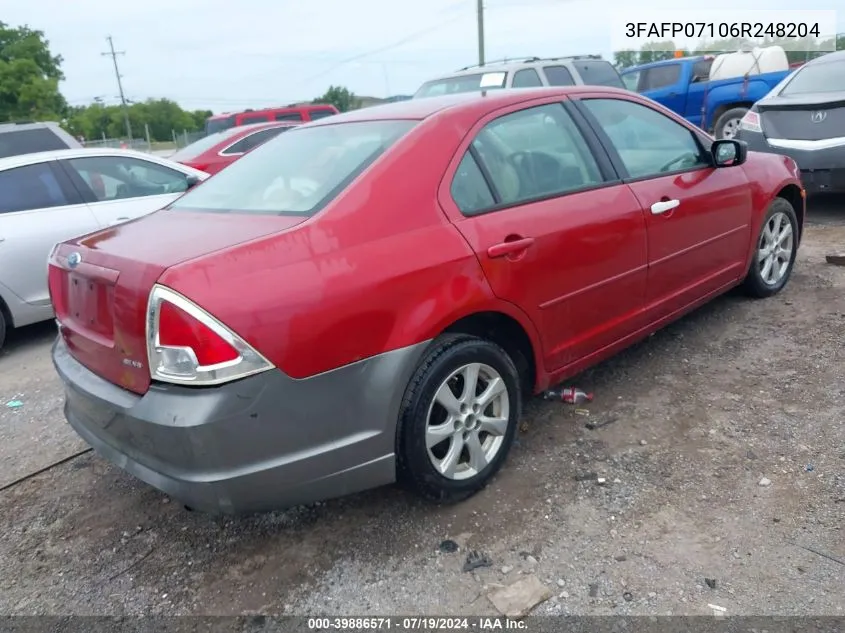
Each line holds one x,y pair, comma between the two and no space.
664,205
510,247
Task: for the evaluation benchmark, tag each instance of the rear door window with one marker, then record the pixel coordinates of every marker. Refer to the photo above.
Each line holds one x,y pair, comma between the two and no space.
598,72
701,70
288,116
526,78
534,153
661,77
122,177
320,114
469,188
253,140
31,187
254,118
29,141
558,76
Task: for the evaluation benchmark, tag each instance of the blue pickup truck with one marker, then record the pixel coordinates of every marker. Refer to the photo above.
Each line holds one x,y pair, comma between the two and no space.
682,85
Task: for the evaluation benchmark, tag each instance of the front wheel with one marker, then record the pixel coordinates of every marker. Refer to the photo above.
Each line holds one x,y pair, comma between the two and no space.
458,418
774,255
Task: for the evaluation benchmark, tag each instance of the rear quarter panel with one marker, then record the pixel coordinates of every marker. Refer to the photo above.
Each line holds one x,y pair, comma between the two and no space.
378,269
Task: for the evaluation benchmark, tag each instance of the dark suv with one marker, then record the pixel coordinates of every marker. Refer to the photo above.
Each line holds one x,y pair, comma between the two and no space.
28,138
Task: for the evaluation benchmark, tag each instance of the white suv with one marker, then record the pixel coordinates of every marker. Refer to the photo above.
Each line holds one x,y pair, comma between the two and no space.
533,72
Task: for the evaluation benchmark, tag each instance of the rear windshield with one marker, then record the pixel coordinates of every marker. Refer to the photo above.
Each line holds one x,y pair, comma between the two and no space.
825,77
192,151
462,83
216,125
297,173
598,73
29,142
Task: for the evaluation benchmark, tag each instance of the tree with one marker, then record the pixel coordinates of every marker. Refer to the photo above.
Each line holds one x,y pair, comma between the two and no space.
339,97
29,76
161,116
649,52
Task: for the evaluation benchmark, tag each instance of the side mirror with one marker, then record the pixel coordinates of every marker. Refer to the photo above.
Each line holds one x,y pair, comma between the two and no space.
728,152
192,181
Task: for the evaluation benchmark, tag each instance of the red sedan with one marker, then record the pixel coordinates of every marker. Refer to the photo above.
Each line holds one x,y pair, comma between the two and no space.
215,151
372,297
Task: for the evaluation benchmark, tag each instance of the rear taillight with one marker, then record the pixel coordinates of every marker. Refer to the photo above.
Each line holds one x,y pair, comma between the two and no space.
751,122
186,345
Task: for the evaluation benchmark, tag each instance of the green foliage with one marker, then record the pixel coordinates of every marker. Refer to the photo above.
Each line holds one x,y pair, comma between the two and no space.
341,98
29,76
162,116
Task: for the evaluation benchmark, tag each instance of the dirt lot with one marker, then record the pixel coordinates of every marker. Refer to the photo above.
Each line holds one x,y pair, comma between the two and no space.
735,393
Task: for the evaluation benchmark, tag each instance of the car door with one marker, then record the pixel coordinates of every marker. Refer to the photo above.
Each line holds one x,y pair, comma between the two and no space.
555,231
120,188
38,209
698,216
663,84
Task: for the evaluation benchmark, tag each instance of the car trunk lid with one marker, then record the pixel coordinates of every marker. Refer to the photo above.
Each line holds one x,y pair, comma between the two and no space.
810,117
100,283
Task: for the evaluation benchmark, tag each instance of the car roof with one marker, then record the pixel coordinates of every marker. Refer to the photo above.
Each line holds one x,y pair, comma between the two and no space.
836,56
299,106
20,160
517,64
489,100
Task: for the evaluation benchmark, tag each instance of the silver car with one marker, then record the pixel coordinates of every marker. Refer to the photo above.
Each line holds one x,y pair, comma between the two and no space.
49,197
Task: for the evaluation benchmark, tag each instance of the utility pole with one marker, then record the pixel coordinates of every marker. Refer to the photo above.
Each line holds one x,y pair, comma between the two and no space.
123,105
480,32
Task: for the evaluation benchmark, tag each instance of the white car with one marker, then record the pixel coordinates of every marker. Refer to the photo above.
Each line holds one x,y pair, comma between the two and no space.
50,197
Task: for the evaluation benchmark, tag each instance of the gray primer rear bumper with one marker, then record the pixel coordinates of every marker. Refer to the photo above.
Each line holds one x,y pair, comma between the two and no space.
263,443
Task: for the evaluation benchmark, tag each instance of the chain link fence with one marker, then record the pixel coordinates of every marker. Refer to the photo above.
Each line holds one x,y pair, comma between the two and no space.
161,148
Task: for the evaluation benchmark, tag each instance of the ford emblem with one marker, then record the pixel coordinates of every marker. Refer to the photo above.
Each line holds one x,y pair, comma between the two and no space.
74,259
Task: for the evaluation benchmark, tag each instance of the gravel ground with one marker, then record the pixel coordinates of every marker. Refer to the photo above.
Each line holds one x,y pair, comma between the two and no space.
726,462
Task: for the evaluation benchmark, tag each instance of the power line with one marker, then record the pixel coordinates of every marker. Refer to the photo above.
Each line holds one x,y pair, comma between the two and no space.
113,54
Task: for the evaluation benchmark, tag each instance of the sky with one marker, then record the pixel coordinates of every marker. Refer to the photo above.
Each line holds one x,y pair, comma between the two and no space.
226,55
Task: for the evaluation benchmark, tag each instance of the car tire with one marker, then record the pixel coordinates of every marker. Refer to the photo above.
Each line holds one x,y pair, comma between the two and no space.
780,226
724,121
2,329
469,455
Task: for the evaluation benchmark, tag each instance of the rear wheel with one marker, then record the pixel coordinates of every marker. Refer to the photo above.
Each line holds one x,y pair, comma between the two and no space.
458,418
727,125
774,255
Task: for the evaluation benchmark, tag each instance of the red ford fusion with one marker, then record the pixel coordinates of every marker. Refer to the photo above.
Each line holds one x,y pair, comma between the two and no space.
372,297
214,152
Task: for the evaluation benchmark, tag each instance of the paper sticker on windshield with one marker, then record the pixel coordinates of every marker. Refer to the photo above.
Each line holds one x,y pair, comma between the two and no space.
493,80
